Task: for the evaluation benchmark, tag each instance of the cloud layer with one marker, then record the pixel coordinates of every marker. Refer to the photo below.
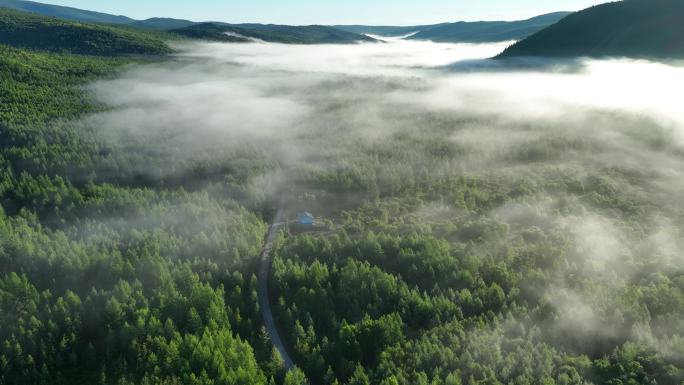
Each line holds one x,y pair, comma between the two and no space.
383,111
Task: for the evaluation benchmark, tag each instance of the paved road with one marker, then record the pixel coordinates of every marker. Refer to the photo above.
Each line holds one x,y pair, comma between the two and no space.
264,302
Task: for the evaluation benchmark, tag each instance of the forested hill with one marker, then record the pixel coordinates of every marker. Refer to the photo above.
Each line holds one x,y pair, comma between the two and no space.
85,16
29,30
162,23
488,31
480,31
69,250
311,34
633,28
65,12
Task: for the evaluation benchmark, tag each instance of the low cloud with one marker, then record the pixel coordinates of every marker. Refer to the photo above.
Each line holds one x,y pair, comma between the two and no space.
313,102
383,111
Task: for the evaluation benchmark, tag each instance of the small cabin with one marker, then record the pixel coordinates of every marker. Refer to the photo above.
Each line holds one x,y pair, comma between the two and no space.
306,219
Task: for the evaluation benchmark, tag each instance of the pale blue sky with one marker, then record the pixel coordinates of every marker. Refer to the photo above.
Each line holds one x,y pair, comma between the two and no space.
387,12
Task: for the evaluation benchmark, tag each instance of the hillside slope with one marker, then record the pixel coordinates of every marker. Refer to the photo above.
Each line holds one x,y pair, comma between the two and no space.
81,15
43,155
488,31
68,13
311,34
22,29
162,23
463,31
632,28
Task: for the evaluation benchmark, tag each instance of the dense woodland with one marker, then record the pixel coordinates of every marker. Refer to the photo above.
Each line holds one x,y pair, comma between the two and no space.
308,34
46,33
110,282
633,28
430,272
487,31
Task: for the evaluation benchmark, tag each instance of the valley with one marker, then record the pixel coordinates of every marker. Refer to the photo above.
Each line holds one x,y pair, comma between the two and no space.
482,214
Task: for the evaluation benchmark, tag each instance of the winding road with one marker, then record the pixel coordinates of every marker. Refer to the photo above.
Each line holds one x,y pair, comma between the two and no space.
264,301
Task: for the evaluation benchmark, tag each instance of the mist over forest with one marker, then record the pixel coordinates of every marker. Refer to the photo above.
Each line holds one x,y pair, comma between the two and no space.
564,165
477,220
382,113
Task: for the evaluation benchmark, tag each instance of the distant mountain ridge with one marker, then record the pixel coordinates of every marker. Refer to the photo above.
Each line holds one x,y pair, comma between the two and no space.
632,28
311,34
75,14
68,13
463,31
385,31
30,30
484,31
162,23
489,31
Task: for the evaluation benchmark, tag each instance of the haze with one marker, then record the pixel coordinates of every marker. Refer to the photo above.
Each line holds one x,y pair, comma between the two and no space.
217,204
442,107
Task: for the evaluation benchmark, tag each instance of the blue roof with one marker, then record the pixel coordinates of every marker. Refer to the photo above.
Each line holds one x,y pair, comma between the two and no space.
306,218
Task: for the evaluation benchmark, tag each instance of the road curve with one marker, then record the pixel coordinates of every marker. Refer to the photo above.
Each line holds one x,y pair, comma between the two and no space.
264,301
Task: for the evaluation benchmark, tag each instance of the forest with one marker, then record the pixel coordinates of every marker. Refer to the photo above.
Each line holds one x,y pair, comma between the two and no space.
469,238
27,30
634,28
99,272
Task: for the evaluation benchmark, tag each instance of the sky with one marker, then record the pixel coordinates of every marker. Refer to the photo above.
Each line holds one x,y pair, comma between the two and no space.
375,12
